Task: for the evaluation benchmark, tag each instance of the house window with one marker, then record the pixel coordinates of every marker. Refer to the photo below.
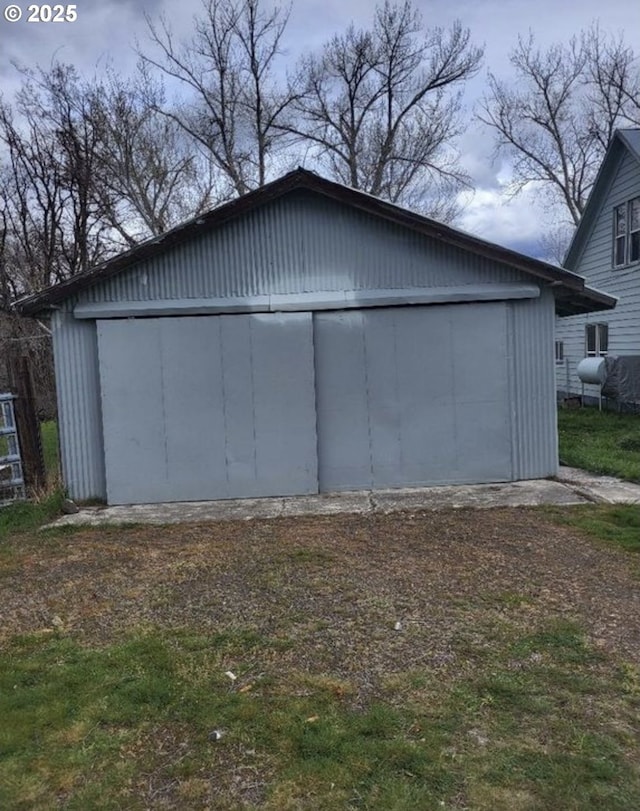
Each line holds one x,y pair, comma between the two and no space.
626,233
634,230
596,339
559,351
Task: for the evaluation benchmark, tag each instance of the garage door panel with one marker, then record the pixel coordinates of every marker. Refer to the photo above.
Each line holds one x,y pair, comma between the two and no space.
383,400
479,352
484,443
239,410
345,462
285,422
429,435
132,412
436,397
344,457
276,404
200,410
426,372
193,407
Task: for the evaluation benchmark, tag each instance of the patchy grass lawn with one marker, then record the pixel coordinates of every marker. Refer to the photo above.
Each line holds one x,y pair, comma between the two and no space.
457,659
617,525
602,442
49,436
27,515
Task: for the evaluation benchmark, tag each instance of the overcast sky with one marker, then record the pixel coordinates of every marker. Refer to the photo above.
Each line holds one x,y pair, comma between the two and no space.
105,30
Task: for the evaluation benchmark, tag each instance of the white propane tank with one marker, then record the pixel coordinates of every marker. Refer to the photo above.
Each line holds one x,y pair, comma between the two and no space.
592,370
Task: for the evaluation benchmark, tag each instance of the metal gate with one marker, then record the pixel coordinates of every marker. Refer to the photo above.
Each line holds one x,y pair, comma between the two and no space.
11,476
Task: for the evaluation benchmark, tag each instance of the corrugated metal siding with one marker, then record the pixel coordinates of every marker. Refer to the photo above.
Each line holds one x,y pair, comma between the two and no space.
595,265
531,394
79,411
533,388
300,243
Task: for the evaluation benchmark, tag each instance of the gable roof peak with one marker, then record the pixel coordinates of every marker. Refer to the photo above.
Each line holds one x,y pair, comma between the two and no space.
570,290
623,140
630,137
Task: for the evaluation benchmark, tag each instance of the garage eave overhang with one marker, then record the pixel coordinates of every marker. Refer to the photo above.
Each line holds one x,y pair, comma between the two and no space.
579,302
305,302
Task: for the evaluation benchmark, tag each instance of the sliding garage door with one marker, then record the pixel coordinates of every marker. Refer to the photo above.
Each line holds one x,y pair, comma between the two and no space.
236,406
208,407
412,396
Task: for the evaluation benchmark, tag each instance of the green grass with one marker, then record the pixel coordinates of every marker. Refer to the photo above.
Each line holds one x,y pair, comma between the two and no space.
529,716
25,516
618,525
49,435
4,446
91,726
601,442
99,712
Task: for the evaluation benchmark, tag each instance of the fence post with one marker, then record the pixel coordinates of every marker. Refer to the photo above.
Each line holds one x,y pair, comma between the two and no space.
27,423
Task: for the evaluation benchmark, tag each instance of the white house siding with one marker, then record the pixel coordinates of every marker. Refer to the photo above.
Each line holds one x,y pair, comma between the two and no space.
596,265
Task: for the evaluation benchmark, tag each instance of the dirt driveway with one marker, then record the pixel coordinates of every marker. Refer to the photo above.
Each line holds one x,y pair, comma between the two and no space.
362,592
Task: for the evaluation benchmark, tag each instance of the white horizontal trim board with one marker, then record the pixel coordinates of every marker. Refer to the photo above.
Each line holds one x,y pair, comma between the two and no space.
305,302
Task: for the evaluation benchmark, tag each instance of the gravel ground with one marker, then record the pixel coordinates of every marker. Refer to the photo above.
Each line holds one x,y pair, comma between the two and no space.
359,595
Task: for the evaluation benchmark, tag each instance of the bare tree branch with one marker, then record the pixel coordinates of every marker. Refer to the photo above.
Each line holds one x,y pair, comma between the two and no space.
151,174
236,103
382,106
556,119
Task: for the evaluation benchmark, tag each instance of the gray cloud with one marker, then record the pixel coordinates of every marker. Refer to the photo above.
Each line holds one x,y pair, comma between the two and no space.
107,30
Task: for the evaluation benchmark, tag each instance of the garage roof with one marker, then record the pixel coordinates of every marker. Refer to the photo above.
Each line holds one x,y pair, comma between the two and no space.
571,294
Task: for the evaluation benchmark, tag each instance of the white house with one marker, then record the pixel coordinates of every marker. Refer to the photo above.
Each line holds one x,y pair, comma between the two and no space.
606,250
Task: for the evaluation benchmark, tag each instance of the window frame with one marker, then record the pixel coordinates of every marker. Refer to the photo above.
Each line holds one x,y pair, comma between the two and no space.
559,352
634,205
624,234
600,339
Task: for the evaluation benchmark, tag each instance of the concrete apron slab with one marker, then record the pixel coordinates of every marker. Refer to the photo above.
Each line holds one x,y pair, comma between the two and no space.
601,489
512,494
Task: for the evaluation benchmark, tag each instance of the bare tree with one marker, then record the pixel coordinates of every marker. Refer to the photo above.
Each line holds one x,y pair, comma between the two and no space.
236,103
151,175
555,116
381,106
91,167
612,81
33,203
88,168
554,243
55,218
62,102
7,291
19,336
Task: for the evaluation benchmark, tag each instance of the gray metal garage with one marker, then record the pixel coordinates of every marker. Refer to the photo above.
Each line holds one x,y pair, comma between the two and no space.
306,338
